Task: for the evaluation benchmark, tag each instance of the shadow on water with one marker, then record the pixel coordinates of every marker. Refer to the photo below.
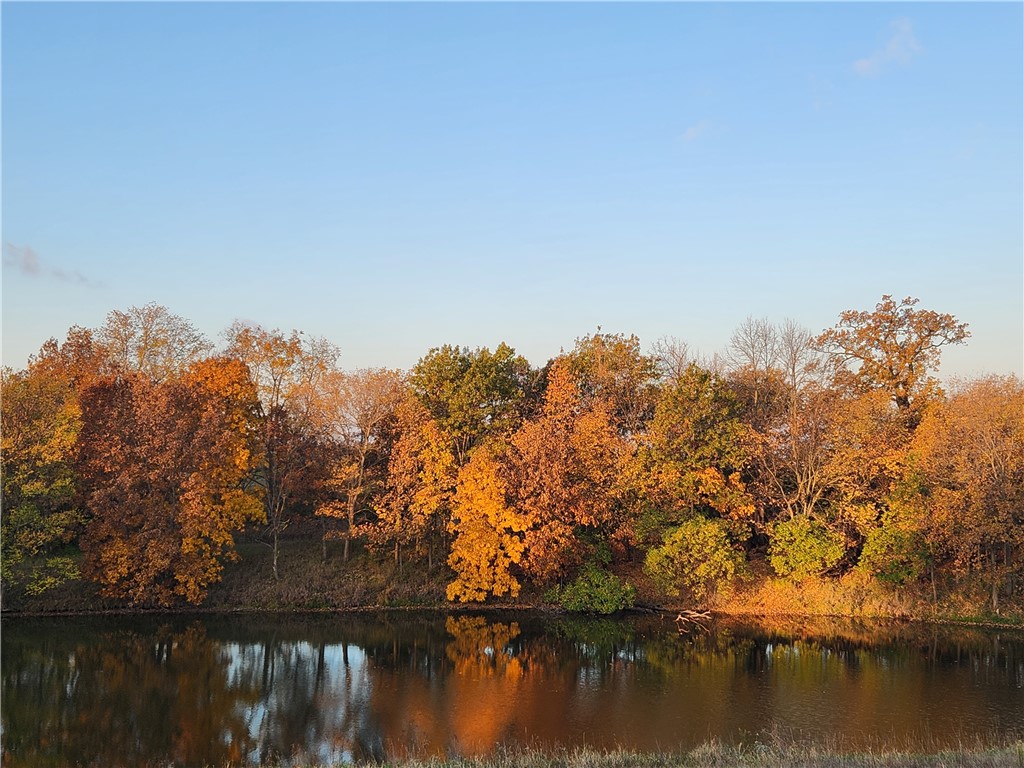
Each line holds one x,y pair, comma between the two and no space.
252,690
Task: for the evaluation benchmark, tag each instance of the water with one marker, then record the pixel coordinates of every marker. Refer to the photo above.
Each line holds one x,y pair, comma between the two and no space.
251,690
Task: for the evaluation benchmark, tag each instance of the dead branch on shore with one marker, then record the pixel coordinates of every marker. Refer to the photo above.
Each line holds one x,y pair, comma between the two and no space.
687,620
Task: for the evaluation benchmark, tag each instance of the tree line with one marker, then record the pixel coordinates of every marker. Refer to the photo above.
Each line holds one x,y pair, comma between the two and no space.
133,454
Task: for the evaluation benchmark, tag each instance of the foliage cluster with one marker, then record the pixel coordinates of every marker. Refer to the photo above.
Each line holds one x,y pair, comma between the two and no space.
828,458
594,590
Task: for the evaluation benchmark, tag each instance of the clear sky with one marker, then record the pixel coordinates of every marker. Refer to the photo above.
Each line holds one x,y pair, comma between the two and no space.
399,176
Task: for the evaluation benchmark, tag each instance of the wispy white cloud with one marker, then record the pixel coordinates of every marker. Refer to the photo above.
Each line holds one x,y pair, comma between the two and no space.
901,46
696,130
24,259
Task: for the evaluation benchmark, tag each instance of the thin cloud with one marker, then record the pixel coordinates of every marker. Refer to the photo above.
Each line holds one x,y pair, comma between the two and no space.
900,48
697,130
25,260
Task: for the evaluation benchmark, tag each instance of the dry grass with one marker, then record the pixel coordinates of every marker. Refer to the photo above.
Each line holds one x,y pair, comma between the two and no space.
717,755
857,595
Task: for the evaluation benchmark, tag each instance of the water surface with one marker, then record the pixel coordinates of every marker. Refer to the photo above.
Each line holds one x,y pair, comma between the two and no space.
251,690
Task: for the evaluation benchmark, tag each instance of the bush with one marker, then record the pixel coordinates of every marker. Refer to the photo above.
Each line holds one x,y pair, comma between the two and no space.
594,591
893,555
801,548
696,556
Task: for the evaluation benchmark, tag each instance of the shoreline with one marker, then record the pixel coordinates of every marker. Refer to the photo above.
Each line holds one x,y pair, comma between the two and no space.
314,585
462,608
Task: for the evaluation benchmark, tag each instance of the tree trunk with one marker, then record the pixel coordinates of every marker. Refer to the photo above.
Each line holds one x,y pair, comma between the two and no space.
995,581
935,594
277,576
351,523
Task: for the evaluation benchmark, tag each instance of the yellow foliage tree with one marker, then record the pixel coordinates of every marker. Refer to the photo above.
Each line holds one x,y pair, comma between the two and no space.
414,508
488,534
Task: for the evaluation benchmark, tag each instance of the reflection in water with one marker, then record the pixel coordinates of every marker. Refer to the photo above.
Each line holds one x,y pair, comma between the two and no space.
215,691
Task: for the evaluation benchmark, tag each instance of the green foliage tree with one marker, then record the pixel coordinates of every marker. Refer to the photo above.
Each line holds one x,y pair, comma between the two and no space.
693,455
472,395
896,549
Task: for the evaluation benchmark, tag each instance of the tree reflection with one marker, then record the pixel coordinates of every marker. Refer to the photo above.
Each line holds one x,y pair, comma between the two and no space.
342,689
122,698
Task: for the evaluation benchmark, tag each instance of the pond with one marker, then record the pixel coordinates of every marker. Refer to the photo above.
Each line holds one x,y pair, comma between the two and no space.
250,690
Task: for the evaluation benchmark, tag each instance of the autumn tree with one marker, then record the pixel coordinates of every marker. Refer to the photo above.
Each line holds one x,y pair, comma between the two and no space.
894,348
472,395
39,423
793,427
162,467
672,357
152,340
488,533
80,359
611,368
358,411
289,373
415,506
564,469
971,450
695,450
754,355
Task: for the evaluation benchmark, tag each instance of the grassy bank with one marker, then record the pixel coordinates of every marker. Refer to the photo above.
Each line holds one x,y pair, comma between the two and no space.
722,756
309,581
857,595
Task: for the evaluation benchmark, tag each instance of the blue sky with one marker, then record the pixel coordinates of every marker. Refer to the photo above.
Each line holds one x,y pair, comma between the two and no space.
399,176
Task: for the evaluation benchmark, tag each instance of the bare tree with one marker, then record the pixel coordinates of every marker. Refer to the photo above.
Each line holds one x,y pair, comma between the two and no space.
153,340
672,356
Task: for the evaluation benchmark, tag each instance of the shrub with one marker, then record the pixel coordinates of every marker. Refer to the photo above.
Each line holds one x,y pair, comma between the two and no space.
594,591
696,556
801,548
893,555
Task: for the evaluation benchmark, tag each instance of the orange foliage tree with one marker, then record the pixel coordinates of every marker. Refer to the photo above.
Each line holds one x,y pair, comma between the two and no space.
414,508
563,468
971,449
161,468
893,348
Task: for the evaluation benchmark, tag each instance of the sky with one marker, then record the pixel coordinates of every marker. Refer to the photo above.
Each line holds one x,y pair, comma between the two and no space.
395,177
